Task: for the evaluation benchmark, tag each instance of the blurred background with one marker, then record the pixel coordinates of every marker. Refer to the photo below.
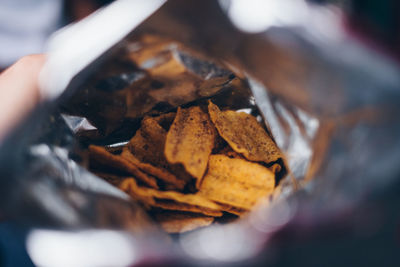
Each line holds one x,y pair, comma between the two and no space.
25,25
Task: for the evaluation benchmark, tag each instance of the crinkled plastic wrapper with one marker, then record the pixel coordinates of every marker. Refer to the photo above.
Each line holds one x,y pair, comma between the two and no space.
332,108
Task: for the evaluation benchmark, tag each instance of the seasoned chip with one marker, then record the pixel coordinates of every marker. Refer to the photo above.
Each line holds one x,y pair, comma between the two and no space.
130,187
102,156
190,141
236,182
148,142
158,172
170,200
180,222
147,146
244,134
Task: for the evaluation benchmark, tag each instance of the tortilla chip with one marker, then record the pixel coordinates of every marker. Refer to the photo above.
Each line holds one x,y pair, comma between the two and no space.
190,141
179,222
158,172
147,146
102,156
236,182
148,142
170,200
244,134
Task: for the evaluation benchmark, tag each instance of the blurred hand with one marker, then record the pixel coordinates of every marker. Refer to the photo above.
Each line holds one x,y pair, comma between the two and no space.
19,91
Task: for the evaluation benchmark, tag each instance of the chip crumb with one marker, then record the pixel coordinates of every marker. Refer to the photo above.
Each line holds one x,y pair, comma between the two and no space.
148,142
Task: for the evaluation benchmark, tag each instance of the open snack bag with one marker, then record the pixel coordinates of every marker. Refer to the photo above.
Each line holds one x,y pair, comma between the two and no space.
170,136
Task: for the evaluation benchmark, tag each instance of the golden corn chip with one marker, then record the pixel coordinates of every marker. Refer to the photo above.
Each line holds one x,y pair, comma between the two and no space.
148,142
102,156
170,200
190,141
147,146
244,134
179,222
236,182
158,172
130,187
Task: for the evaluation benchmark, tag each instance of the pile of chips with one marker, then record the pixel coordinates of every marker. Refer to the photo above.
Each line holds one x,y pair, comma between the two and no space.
194,166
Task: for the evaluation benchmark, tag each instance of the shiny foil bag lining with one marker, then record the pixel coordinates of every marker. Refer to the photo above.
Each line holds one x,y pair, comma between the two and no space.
331,114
